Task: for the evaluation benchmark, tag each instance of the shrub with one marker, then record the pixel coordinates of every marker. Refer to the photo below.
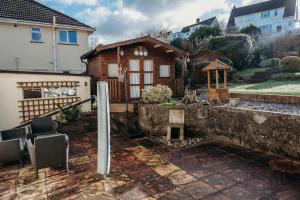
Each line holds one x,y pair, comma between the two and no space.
157,95
272,62
286,76
290,64
235,47
69,115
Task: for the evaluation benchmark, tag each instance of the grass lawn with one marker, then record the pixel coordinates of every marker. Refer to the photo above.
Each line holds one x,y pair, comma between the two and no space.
271,87
249,72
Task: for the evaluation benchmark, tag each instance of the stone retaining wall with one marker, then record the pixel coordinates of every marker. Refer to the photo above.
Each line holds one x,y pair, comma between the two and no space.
265,131
267,98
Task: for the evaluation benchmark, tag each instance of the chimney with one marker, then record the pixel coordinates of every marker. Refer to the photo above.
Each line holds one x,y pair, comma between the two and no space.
198,20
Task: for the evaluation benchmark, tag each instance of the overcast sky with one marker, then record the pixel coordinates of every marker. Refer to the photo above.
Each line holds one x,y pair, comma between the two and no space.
117,20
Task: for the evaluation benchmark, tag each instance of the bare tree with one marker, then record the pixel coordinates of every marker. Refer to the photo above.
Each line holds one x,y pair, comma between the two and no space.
93,42
162,34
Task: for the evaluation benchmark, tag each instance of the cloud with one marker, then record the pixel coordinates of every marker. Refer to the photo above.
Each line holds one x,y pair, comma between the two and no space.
128,18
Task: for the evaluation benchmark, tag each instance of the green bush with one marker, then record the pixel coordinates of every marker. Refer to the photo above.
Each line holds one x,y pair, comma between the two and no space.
290,64
237,48
157,95
286,76
272,62
70,115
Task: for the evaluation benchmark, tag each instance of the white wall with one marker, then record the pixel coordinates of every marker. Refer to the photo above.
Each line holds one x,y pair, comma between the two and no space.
15,43
255,19
10,94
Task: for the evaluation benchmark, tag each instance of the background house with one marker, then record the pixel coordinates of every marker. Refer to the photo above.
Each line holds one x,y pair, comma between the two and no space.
274,16
188,30
148,62
34,37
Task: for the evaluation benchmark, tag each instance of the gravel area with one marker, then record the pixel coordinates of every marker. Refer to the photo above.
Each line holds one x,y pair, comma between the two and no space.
176,143
272,107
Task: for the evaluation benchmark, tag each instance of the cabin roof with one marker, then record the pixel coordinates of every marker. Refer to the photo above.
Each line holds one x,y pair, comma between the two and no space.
217,64
147,39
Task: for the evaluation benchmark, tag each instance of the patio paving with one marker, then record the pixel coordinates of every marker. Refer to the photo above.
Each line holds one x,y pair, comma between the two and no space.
143,169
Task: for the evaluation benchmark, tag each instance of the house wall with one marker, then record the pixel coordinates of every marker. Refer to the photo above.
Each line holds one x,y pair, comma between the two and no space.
98,65
255,19
11,94
16,44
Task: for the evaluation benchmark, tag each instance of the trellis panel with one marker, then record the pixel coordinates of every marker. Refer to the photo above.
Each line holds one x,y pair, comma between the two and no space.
35,107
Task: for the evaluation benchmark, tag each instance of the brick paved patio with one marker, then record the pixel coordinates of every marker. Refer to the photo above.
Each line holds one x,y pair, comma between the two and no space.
143,169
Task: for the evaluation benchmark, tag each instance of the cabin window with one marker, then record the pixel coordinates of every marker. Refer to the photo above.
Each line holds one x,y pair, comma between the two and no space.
164,71
68,37
148,73
134,66
32,93
36,34
112,70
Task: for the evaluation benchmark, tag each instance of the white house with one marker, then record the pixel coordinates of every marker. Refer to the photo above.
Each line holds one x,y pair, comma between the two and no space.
188,30
272,17
34,37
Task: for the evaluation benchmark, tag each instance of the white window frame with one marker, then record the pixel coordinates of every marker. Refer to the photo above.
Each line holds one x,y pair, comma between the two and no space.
169,71
265,14
40,32
68,38
108,74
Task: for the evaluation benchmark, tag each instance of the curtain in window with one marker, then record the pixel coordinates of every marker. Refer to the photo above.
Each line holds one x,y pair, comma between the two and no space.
112,70
134,78
148,65
134,91
134,65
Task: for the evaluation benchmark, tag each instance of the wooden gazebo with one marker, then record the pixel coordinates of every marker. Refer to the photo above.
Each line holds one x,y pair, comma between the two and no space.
218,93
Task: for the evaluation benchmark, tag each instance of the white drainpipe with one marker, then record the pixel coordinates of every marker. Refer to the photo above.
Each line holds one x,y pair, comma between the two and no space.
54,45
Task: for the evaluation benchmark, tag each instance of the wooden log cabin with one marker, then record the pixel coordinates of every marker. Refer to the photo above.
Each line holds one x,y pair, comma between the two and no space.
147,61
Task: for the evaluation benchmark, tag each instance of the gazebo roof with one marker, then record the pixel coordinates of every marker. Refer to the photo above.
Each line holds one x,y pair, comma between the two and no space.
216,65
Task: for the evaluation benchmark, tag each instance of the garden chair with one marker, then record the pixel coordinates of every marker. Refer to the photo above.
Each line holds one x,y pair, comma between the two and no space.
49,151
43,126
176,120
12,144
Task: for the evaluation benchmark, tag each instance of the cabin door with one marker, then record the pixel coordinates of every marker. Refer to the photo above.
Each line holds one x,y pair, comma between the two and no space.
134,78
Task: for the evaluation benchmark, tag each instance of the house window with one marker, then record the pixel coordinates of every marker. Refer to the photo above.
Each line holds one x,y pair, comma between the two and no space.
164,71
290,23
276,13
267,27
265,14
278,29
32,93
68,37
36,34
112,70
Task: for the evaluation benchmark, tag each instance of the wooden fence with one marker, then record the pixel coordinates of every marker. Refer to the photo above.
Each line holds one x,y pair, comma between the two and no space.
114,89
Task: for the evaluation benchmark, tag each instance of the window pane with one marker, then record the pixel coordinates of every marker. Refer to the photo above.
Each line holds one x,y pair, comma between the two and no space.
164,70
148,65
134,65
135,78
112,70
73,37
36,36
134,91
63,36
148,78
33,93
36,29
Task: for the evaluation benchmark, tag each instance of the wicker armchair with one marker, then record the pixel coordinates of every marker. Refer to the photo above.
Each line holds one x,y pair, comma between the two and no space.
43,126
12,144
49,151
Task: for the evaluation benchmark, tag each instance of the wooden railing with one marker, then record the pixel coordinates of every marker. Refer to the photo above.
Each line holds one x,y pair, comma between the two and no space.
31,108
114,89
179,87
